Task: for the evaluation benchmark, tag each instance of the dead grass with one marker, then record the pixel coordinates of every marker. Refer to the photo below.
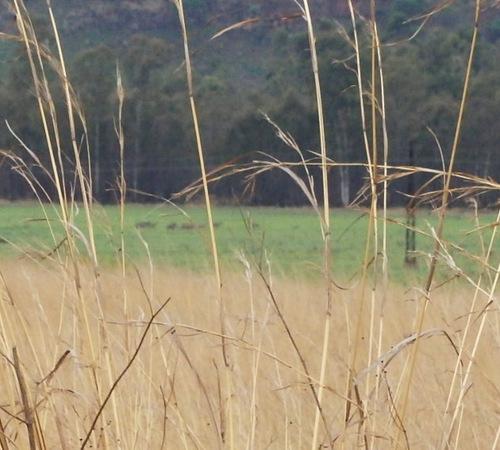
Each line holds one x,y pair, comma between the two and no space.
153,357
172,391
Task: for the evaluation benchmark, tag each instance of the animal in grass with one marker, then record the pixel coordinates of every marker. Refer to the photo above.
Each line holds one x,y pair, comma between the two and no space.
194,226
145,224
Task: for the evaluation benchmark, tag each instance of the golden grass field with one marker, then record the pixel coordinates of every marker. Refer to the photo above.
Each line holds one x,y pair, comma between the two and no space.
173,395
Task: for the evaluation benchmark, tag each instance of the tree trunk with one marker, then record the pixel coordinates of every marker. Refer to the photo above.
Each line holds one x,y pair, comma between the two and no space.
345,191
137,150
410,256
96,176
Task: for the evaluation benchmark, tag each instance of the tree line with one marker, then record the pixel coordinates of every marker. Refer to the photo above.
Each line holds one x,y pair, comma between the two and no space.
252,73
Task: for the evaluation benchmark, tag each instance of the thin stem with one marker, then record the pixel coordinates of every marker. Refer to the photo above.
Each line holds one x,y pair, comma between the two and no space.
86,190
122,373
325,224
192,102
215,254
442,215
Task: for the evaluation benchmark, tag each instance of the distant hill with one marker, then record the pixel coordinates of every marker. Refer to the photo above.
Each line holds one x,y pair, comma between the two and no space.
262,65
117,19
86,23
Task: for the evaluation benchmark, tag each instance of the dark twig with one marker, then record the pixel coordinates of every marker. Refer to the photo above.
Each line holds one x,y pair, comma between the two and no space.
3,439
59,362
124,371
28,412
297,351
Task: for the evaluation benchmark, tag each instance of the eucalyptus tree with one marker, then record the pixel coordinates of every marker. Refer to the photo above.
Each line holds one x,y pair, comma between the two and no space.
21,126
145,61
94,77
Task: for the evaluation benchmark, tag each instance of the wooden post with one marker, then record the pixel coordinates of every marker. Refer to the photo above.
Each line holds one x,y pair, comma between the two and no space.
410,256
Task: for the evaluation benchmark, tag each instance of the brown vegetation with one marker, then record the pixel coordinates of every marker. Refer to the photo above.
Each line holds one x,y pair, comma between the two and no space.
172,392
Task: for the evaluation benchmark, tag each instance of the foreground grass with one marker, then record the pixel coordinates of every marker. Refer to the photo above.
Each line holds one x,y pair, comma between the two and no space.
289,237
130,344
171,395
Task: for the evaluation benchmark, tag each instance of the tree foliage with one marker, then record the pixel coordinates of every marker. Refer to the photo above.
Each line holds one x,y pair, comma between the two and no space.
265,68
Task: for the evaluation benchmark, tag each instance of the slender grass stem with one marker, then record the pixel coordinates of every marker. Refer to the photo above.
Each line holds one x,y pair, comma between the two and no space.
371,247
215,254
85,186
384,250
442,216
447,431
325,221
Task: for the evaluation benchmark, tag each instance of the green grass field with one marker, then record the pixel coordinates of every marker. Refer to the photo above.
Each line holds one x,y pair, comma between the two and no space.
289,238
75,330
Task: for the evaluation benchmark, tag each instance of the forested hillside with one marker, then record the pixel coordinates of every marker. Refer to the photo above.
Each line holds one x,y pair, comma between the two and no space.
262,67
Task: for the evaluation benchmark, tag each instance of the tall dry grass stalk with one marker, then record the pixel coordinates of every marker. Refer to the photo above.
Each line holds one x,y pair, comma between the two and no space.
370,121
228,392
39,57
442,216
84,303
325,226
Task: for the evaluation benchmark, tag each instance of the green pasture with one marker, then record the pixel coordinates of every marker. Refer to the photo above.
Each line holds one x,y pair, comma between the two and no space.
289,238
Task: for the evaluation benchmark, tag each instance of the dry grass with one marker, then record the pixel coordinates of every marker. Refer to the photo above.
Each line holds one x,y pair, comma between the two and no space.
171,395
155,357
